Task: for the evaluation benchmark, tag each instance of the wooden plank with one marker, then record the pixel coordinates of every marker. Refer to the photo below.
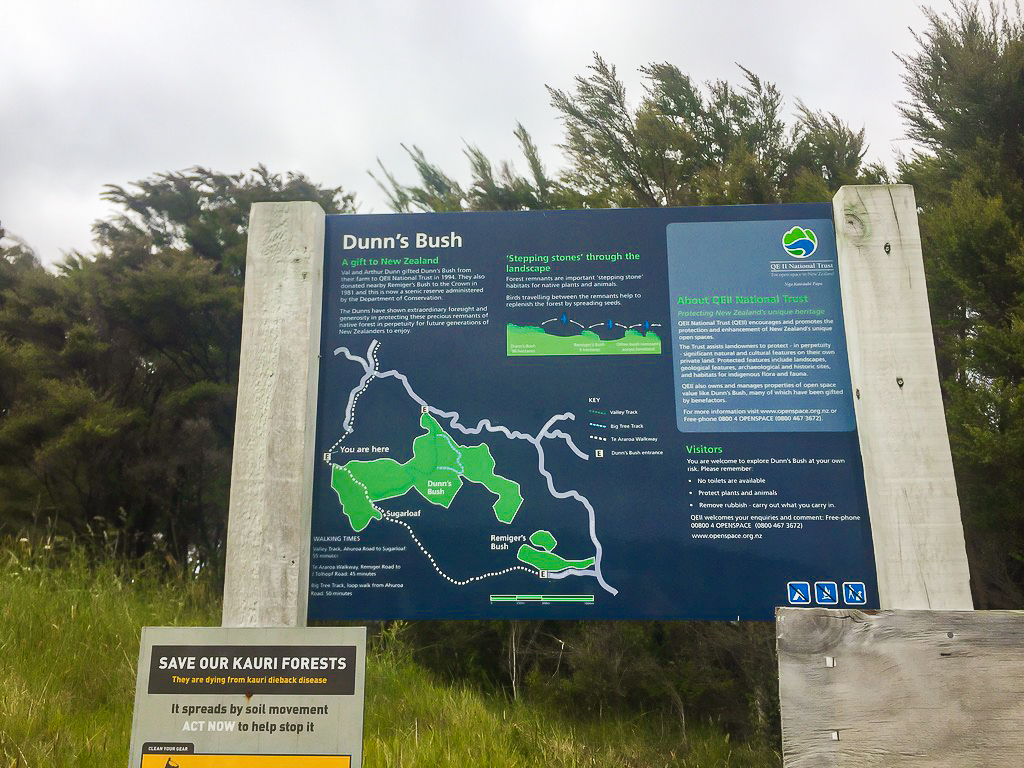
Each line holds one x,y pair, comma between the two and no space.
901,688
272,465
920,553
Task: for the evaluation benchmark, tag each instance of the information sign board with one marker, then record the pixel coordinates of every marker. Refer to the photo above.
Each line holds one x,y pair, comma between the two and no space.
585,414
249,698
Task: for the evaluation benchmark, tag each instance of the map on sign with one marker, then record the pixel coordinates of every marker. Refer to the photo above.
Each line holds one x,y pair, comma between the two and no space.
437,471
607,414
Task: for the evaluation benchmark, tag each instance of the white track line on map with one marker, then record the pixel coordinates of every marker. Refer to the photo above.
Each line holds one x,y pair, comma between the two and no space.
370,372
457,582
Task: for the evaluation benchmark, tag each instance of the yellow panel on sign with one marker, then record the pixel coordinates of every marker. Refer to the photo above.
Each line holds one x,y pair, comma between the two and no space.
245,761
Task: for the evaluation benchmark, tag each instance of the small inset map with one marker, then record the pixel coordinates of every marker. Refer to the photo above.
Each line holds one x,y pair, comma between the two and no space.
566,336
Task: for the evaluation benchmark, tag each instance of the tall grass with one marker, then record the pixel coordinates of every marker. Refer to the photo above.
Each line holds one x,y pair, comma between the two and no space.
69,639
69,644
411,720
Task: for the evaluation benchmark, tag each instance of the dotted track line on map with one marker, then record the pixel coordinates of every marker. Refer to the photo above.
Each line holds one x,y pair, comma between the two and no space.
423,549
355,399
437,568
453,418
366,491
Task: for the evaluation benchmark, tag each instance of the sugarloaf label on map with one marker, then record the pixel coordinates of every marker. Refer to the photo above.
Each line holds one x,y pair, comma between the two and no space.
576,414
262,698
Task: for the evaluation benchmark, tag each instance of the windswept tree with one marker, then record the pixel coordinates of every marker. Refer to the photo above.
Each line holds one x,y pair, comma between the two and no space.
504,189
683,144
203,213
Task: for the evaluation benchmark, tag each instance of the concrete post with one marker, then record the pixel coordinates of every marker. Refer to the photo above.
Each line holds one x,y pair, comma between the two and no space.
272,466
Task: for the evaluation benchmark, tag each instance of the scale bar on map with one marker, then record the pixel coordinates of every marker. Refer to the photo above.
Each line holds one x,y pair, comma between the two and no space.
587,599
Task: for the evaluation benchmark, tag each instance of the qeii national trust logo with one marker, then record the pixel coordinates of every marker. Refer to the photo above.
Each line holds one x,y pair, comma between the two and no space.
800,242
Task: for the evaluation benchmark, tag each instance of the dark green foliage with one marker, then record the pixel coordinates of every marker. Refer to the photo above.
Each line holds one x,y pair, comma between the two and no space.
684,144
678,147
506,190
691,145
823,155
966,110
202,212
119,371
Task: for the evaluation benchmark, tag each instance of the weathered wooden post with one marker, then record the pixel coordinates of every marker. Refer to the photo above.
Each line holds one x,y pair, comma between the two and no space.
901,688
920,554
928,682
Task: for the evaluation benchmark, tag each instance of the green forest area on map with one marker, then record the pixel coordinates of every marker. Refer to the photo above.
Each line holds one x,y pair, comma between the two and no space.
540,554
436,470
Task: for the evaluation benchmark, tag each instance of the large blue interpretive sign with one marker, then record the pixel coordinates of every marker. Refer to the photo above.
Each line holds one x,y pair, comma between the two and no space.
586,414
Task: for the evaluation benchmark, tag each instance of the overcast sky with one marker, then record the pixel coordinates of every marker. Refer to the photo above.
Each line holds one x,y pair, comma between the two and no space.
109,92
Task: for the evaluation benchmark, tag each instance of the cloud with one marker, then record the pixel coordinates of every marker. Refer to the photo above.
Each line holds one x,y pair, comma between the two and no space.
112,92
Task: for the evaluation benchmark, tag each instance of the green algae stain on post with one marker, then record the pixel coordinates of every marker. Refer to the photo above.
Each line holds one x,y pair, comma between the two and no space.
436,471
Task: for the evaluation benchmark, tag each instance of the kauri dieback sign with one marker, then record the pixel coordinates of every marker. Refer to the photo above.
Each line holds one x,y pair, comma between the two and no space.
247,697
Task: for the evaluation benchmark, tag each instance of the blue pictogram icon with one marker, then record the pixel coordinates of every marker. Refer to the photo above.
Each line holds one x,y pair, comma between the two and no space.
855,593
799,592
826,593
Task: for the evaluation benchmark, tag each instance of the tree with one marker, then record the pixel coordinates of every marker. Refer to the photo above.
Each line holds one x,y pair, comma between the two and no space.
203,212
118,413
965,111
28,325
678,147
506,190
684,145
